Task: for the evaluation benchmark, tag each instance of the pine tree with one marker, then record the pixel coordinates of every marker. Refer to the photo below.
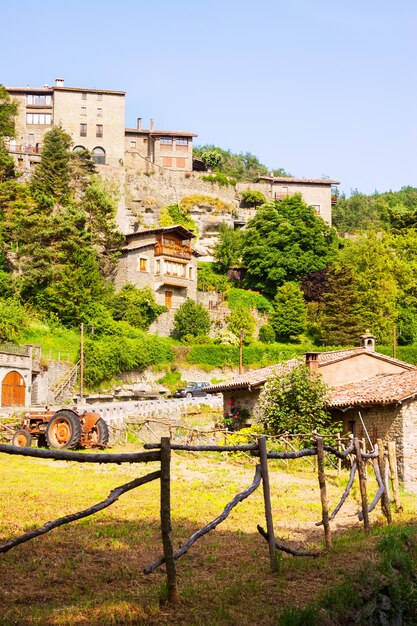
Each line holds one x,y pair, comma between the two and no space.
341,318
289,318
51,180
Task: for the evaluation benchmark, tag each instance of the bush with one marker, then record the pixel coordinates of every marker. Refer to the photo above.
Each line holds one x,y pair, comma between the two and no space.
266,334
208,279
220,179
191,319
13,319
249,299
253,198
188,202
216,355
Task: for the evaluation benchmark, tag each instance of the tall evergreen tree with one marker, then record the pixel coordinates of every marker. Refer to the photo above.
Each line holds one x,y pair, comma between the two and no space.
341,319
51,180
289,318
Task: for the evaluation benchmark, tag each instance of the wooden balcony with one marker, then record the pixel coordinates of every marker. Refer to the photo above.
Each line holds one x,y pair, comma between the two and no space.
177,252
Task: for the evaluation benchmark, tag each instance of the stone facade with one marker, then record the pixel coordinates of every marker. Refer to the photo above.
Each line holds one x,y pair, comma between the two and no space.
23,363
162,258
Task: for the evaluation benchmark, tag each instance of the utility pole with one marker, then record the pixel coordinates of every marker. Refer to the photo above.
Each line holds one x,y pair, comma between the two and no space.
82,363
242,334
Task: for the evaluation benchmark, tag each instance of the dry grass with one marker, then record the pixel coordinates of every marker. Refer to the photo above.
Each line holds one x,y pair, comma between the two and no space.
90,572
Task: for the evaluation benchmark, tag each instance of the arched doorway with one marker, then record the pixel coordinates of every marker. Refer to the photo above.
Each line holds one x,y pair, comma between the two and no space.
13,390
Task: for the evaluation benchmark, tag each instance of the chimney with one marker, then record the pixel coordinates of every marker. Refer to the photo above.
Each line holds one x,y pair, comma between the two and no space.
59,82
312,363
368,341
139,123
151,123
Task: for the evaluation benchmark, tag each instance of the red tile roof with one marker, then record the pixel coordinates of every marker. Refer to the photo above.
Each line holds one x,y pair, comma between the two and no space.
257,378
157,133
381,389
306,181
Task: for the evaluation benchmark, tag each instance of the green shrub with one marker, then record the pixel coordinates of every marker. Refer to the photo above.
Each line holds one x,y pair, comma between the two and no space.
188,202
249,299
220,179
266,334
253,198
208,279
216,355
191,319
13,319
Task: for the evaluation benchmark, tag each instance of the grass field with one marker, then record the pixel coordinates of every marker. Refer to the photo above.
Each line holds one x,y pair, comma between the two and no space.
90,572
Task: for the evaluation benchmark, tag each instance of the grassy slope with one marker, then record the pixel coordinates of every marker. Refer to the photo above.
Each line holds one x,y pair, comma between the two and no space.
90,572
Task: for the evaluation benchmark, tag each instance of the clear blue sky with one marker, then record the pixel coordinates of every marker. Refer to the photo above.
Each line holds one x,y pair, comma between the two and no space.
318,87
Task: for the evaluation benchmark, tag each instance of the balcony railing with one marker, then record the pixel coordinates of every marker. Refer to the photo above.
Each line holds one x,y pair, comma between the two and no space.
24,149
180,252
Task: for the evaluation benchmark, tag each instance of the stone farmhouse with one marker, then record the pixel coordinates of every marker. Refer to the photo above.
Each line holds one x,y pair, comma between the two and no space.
164,259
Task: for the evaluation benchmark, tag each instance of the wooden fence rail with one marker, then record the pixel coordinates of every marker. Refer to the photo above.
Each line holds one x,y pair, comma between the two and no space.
161,452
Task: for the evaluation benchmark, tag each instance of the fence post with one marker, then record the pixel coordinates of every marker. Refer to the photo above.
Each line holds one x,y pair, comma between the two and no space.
385,497
339,461
392,460
323,492
267,500
362,483
173,596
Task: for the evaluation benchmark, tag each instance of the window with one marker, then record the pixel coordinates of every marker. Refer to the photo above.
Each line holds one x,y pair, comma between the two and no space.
316,208
41,119
83,130
133,144
158,266
143,264
167,161
78,149
166,141
36,100
180,161
99,156
83,96
83,110
190,273
181,141
99,112
99,130
168,299
99,96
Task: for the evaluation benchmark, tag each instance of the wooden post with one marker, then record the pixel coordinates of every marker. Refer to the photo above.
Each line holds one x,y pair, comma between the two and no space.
392,460
323,492
173,596
385,498
273,555
362,483
363,450
339,461
82,364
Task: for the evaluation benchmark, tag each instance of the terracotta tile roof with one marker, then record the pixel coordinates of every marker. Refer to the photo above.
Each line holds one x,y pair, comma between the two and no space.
306,181
157,133
381,389
256,378
51,88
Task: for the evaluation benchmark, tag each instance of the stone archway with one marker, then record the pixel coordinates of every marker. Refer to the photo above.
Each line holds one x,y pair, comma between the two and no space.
13,390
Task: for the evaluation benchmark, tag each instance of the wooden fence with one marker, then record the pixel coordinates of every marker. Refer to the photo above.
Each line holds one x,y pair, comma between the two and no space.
383,463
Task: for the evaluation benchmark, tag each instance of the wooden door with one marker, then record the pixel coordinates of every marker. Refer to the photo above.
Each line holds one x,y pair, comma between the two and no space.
168,299
13,390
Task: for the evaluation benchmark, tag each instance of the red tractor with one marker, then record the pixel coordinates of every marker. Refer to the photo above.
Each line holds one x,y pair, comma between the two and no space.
63,429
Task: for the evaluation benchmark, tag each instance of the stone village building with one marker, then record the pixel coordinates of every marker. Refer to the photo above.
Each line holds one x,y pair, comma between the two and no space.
368,390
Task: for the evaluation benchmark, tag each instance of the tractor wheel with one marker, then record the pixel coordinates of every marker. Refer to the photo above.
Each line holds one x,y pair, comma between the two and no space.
63,430
42,443
22,438
100,433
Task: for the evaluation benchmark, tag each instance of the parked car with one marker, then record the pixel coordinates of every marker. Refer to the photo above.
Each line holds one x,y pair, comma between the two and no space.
192,390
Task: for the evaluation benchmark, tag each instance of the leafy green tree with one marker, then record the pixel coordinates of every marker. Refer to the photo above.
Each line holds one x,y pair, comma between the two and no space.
227,250
341,319
136,306
253,198
289,318
13,319
211,158
295,403
372,266
241,321
209,278
284,242
191,319
7,167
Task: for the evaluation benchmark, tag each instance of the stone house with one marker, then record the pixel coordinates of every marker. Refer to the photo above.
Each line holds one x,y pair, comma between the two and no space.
336,368
382,407
162,258
319,193
147,149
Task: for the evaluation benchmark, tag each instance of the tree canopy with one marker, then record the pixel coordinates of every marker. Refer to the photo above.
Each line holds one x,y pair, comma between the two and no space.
284,242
